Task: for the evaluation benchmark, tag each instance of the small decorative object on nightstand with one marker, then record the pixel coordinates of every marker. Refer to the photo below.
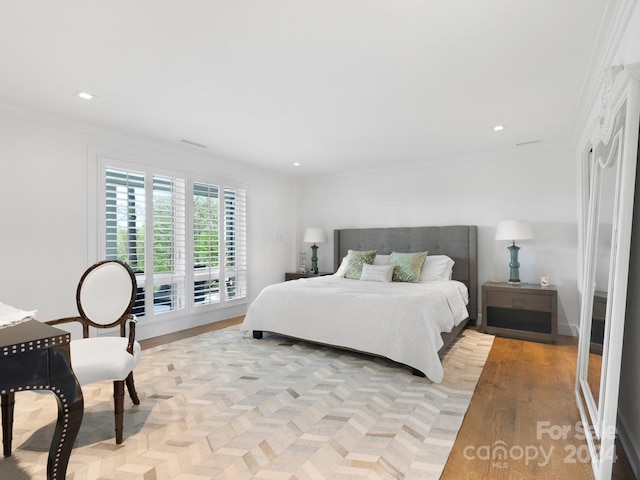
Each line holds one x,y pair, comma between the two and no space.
524,311
302,268
296,275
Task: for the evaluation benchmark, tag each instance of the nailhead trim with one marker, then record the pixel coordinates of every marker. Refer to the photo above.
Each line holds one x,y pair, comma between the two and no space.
65,423
35,345
40,345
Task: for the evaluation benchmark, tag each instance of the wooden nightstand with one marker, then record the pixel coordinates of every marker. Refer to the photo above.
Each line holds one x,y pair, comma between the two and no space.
597,321
526,311
295,275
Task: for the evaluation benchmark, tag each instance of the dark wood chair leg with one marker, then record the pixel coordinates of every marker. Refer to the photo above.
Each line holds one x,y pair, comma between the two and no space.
8,402
118,408
132,389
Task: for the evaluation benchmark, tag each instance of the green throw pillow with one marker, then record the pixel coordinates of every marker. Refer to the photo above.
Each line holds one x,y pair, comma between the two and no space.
355,261
407,266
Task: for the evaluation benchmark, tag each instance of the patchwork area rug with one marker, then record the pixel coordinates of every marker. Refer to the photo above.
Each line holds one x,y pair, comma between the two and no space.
223,405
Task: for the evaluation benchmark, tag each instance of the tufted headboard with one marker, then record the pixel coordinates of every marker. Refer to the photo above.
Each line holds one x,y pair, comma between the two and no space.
460,242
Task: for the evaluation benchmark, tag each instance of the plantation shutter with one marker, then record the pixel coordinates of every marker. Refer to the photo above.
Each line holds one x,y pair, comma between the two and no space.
206,244
235,242
125,222
169,240
125,217
169,243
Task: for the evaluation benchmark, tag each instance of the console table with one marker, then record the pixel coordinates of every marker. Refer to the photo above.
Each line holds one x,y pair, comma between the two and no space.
35,356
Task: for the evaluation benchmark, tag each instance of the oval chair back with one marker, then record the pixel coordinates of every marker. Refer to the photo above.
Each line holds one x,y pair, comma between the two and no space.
105,295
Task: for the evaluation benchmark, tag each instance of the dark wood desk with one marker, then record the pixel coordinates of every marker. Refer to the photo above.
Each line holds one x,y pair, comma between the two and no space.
35,356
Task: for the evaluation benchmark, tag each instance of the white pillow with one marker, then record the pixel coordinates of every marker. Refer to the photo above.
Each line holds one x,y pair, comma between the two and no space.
342,267
377,273
382,260
437,267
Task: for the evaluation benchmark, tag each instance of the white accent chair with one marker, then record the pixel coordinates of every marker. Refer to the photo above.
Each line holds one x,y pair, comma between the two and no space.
105,296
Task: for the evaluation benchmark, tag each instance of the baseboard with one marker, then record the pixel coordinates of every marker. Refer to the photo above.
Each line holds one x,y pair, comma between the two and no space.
629,444
568,330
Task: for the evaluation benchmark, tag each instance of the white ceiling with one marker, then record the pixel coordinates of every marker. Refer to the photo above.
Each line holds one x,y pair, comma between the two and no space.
332,84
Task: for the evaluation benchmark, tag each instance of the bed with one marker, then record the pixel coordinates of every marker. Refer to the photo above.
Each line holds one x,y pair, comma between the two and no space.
409,323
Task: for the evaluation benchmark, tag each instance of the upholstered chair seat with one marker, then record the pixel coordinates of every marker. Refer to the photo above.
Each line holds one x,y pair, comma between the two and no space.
88,354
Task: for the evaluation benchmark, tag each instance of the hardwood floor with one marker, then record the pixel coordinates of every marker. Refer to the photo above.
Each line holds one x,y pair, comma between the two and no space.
525,395
525,391
191,332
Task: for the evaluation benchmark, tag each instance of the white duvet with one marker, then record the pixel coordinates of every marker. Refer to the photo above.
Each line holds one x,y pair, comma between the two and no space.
400,321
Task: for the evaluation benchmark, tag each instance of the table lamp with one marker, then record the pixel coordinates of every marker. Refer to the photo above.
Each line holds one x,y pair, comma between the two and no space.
314,235
512,231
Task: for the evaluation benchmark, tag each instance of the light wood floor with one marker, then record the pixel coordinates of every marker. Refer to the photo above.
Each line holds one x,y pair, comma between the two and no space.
523,383
526,389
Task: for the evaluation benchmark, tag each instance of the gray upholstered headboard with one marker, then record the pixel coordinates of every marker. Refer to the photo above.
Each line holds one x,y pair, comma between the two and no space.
460,242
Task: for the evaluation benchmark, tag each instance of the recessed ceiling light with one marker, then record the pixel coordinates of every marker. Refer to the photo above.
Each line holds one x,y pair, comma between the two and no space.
296,164
498,128
84,95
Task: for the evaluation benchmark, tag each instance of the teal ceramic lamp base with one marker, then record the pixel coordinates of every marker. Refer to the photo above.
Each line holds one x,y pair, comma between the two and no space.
512,231
514,266
314,235
314,258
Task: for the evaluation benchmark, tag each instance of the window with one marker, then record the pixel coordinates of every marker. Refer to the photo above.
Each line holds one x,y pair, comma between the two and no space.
176,247
235,232
209,282
168,244
206,249
125,225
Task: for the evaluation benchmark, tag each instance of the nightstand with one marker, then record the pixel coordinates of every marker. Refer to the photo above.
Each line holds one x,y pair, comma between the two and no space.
597,321
525,311
295,275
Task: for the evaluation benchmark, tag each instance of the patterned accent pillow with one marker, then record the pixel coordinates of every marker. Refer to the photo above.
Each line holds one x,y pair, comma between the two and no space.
407,266
355,261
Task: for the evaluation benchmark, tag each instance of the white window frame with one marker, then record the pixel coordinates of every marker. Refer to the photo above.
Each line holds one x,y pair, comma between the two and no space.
97,234
241,291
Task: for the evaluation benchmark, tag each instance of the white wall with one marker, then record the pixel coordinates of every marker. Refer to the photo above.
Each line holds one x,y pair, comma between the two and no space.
536,183
44,198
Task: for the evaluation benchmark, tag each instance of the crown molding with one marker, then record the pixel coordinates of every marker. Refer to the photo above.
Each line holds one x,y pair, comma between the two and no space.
610,33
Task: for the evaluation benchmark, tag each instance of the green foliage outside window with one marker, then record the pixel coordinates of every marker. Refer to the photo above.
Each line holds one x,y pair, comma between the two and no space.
205,227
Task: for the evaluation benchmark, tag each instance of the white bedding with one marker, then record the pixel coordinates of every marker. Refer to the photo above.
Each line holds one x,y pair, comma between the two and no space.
400,321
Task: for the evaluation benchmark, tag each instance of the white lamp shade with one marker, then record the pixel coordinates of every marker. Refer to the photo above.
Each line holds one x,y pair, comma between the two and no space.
514,230
314,235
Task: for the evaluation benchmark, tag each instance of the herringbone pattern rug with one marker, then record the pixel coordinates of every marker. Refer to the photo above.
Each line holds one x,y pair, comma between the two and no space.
225,406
